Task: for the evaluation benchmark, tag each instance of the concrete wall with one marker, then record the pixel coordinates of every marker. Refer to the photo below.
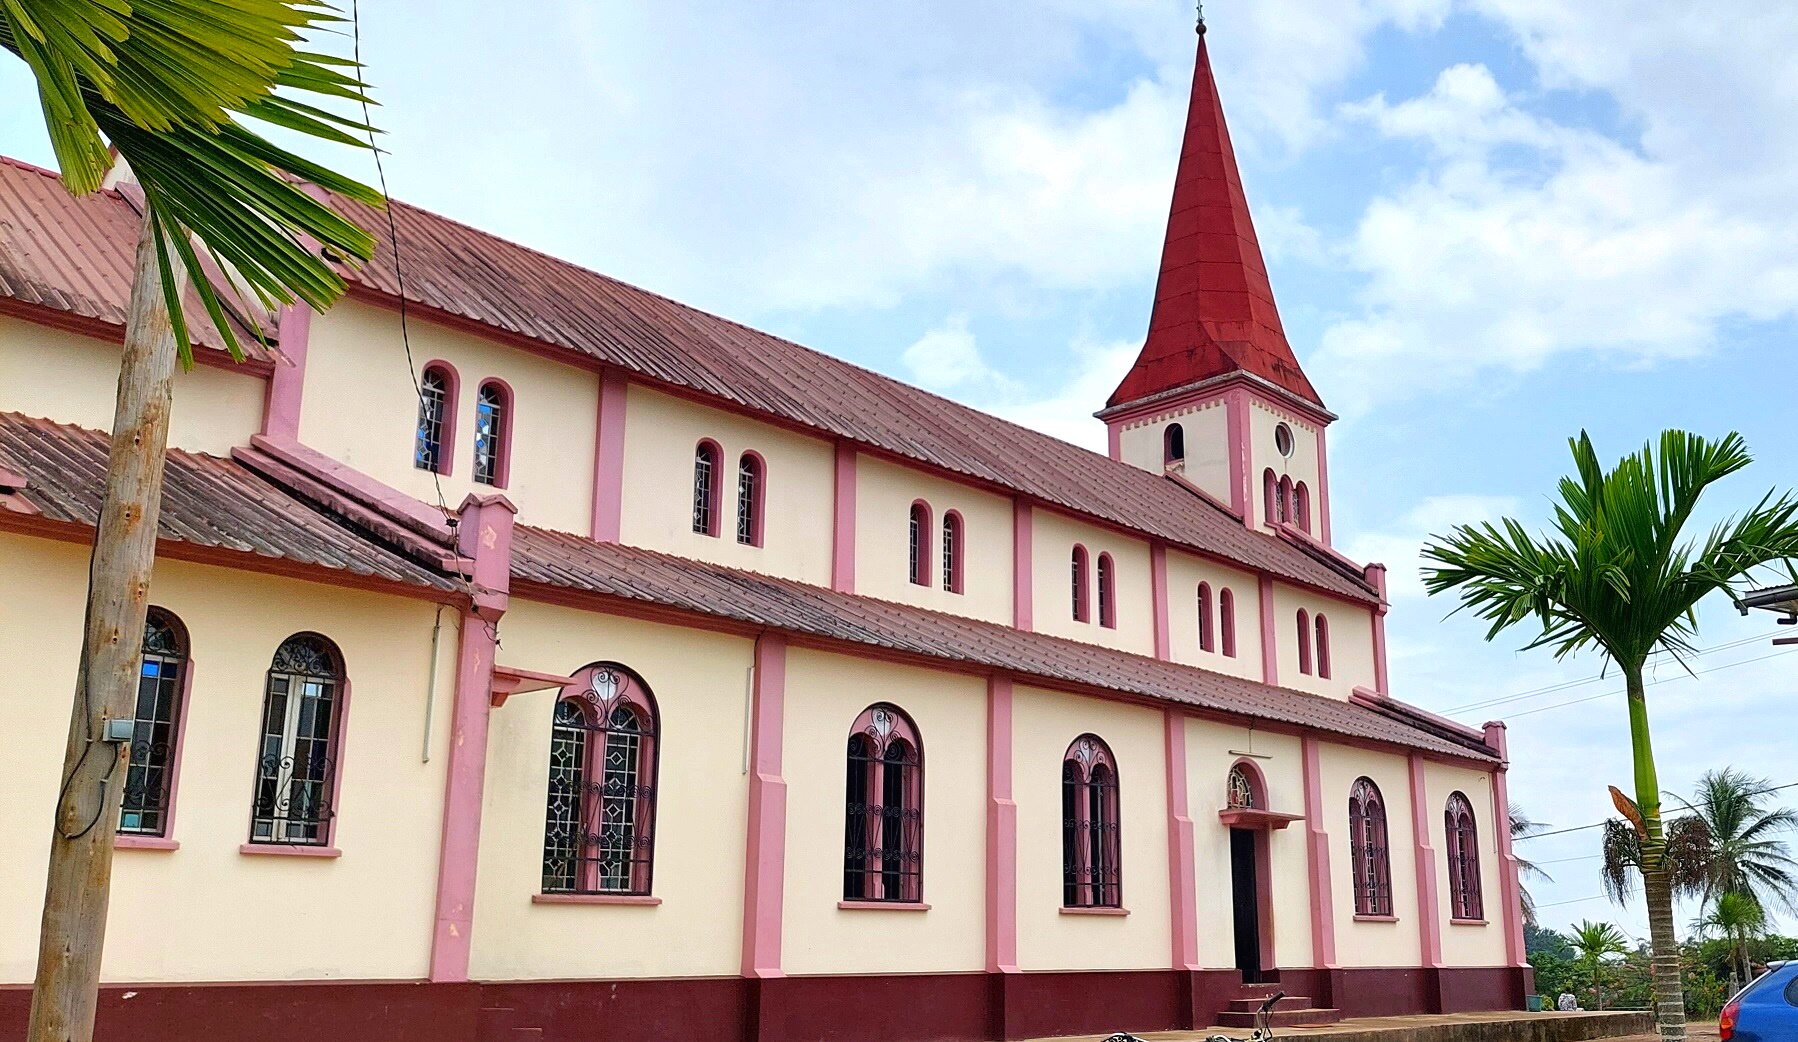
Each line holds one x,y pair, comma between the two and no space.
1303,465
1142,443
1351,642
1360,941
1055,537
885,493
1467,944
1184,574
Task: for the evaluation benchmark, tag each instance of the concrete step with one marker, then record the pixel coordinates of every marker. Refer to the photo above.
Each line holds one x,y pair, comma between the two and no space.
1253,1003
1282,1018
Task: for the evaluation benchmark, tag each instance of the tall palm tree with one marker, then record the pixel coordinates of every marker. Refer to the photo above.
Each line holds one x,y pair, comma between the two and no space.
164,85
1595,944
1745,856
1619,574
1739,919
1523,827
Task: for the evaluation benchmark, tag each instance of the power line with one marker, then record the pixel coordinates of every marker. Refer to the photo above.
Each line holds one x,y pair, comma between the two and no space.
1567,684
1600,824
1652,683
1575,901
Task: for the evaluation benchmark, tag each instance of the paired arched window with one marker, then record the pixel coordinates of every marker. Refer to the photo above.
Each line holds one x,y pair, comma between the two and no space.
302,725
1321,629
1304,637
1082,589
708,459
1464,898
917,562
1173,443
1108,593
883,801
1090,849
954,552
599,820
1217,620
493,433
1369,853
161,689
436,430
1226,621
1207,620
752,480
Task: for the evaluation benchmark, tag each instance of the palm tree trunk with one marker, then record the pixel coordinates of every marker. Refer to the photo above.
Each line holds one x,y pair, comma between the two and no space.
1657,882
87,812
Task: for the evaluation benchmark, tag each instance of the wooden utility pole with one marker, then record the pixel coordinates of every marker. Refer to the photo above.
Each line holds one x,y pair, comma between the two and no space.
94,769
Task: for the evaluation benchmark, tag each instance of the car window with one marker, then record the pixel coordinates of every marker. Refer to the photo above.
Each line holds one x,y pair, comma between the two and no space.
1792,991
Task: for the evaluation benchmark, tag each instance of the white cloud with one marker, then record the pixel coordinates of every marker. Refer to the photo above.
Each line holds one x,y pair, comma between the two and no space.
1400,547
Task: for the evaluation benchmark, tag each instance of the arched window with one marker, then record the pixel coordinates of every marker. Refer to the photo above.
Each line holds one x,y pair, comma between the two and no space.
751,481
161,691
1207,627
1226,621
1082,611
1368,849
1464,898
599,821
302,726
1089,826
1304,634
1322,626
493,433
1301,506
1245,789
918,547
1108,594
436,430
1284,496
707,459
1173,443
952,552
883,818
1270,494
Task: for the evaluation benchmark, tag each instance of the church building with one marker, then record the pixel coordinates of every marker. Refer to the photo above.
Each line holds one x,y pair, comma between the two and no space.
615,671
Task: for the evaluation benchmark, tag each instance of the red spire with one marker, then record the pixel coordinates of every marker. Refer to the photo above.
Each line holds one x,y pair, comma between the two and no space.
1214,310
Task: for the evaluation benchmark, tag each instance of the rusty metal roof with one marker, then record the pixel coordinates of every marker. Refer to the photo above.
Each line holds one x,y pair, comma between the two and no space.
613,571
207,502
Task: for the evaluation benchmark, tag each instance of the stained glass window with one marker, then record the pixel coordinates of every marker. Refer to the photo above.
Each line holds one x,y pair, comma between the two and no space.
599,820
149,776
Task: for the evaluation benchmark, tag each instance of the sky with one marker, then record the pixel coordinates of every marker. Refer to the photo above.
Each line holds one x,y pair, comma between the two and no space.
1490,224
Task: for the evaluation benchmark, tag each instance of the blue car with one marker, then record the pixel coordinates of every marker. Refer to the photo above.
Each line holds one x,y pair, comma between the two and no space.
1766,1010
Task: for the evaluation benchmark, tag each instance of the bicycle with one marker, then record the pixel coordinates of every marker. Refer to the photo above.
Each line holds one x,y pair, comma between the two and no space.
1263,1031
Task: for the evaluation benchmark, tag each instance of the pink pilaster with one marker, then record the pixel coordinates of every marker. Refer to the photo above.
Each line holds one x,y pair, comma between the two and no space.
1023,566
1242,499
1429,912
287,383
1376,575
1270,643
764,873
1182,876
1113,437
842,557
1158,606
608,458
1317,861
1510,889
1001,833
1322,506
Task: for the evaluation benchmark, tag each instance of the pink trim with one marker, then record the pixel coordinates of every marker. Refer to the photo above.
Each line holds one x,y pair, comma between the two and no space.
1301,506
1376,575
1363,918
464,783
1510,890
1323,488
1429,912
1113,441
764,873
339,731
1093,910
1181,872
1304,635
1212,388
164,840
1097,754
920,518
883,906
1317,860
379,497
714,494
287,380
1226,621
1256,820
1468,922
1257,787
842,558
1236,402
758,499
510,680
134,841
1001,832
508,406
634,695
452,405
1270,645
1106,572
595,899
1023,565
955,530
1081,563
484,536
287,850
608,457
1158,600
1321,626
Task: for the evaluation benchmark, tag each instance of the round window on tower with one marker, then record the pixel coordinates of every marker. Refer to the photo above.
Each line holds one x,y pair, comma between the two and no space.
1283,439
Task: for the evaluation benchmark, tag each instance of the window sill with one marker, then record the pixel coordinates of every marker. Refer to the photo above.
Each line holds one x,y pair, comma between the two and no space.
1068,910
129,842
1376,918
1467,922
883,906
279,850
594,899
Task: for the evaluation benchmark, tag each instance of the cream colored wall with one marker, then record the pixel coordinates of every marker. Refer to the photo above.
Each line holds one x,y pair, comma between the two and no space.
1362,943
1055,536
884,496
1351,642
360,407
1466,944
661,434
700,683
1207,429
1044,724
74,379
365,915
825,693
1184,574
1211,749
1302,465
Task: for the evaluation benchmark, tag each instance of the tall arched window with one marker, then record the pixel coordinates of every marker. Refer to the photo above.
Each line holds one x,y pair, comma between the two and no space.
599,821
1322,626
883,817
1108,594
1270,495
1090,876
436,430
148,804
918,546
493,433
1464,897
1285,500
1304,635
1368,849
707,459
1207,627
751,489
1226,621
1301,506
302,727
1082,611
953,551
1173,443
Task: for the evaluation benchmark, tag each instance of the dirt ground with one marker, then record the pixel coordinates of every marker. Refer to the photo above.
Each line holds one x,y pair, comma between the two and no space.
1702,1032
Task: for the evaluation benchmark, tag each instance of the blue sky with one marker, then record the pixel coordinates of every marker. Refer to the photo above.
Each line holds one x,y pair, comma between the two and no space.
1489,223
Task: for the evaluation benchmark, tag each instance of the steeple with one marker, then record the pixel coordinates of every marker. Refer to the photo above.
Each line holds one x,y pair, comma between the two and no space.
1214,310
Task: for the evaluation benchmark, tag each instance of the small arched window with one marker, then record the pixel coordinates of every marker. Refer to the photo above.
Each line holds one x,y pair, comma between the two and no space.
1464,897
751,481
707,459
1207,626
1270,495
1082,611
1284,497
302,728
493,433
1368,849
1301,506
1090,862
1226,621
1173,444
1304,635
1245,788
918,544
883,826
1108,594
436,430
599,820
147,805
1322,626
953,535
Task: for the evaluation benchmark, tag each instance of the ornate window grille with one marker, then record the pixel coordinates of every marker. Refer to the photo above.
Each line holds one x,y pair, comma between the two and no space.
917,562
1465,898
1207,630
952,552
1090,876
599,819
883,827
435,400
1108,600
749,499
1241,791
1369,853
144,810
1081,611
1226,621
295,775
705,488
492,426
1322,627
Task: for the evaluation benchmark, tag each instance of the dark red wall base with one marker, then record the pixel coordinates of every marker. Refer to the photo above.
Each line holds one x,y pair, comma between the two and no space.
928,1007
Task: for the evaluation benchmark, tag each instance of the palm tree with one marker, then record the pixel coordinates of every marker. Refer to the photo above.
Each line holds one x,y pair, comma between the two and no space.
164,85
1745,857
1619,575
1523,827
1595,944
1739,919
1686,857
